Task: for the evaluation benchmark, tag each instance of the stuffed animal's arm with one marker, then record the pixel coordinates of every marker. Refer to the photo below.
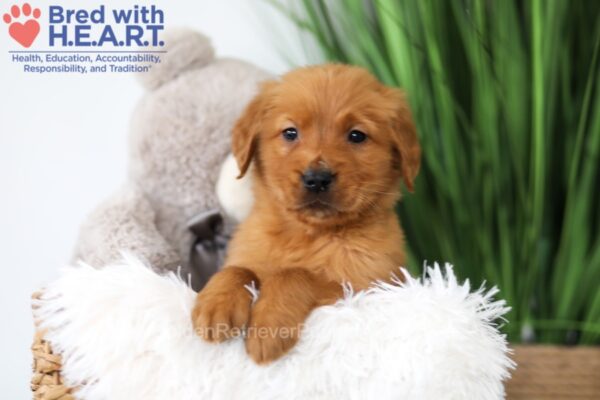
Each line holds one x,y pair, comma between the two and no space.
124,222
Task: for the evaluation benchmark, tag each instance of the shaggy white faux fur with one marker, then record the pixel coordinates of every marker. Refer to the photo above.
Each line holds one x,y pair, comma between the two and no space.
126,332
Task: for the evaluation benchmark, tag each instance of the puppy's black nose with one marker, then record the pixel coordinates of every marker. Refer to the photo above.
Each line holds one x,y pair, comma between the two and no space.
318,180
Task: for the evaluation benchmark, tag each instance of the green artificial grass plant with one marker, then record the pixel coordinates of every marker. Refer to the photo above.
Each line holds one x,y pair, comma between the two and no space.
506,97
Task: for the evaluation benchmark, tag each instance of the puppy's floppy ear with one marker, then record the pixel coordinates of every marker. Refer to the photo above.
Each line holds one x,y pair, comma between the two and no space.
405,138
244,139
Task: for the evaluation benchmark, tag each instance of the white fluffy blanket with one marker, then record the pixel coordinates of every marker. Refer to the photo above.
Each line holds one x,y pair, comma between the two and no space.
125,333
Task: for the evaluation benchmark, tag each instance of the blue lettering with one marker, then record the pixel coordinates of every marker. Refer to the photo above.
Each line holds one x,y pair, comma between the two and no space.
97,16
82,32
76,27
81,16
134,33
122,16
108,36
157,14
154,29
54,34
60,15
56,14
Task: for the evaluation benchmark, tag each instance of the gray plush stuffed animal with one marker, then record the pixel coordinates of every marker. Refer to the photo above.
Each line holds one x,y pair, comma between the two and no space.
180,137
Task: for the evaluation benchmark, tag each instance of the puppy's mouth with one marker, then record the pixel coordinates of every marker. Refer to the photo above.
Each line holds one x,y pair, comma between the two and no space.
318,206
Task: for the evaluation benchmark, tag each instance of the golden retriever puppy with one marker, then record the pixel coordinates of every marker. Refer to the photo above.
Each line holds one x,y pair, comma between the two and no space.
330,146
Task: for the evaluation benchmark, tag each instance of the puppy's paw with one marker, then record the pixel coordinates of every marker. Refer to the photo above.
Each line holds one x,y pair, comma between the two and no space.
269,336
217,318
264,350
222,308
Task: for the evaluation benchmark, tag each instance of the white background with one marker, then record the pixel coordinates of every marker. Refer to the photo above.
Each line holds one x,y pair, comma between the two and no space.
63,149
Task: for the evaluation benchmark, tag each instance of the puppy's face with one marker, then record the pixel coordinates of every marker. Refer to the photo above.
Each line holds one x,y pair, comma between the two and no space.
329,143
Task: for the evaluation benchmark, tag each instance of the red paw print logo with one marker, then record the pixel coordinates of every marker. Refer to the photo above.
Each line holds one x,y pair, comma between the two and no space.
26,32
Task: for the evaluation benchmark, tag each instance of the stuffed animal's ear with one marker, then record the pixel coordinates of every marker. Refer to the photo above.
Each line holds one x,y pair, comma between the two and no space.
405,138
244,140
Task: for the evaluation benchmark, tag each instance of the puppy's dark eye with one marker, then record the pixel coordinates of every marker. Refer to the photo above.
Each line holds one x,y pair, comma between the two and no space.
290,134
356,136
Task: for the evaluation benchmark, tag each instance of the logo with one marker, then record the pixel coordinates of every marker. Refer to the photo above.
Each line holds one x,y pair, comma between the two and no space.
23,32
89,40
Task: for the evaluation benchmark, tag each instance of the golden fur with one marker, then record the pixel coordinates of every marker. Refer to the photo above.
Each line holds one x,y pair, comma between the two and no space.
295,248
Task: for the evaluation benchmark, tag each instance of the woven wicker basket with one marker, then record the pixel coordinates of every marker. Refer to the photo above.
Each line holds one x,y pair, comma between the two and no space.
543,373
554,372
46,381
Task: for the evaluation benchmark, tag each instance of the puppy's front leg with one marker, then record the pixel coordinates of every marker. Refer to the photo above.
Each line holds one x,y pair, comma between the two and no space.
286,299
222,308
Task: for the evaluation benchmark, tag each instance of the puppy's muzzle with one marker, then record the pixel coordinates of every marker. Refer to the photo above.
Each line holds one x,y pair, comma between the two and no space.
317,180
